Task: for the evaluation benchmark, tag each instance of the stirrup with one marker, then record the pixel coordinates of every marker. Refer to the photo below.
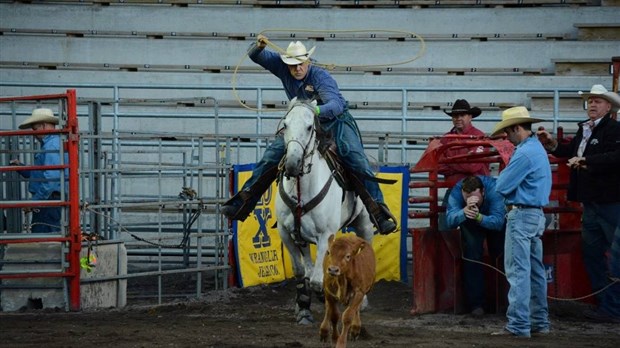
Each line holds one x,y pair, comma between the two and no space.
385,220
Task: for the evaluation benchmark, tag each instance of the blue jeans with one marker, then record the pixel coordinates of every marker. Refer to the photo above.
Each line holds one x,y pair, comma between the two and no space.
601,233
473,236
523,252
350,150
46,220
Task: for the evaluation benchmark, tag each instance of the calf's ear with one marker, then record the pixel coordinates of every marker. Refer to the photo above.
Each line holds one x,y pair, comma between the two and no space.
360,245
330,240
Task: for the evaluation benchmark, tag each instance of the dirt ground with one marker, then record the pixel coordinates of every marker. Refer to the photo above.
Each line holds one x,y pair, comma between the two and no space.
263,317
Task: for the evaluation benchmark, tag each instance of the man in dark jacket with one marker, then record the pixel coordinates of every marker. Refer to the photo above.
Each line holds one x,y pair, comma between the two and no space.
594,159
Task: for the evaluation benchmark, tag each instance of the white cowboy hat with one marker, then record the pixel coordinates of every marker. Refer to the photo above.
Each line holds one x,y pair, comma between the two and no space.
39,116
513,116
598,91
296,53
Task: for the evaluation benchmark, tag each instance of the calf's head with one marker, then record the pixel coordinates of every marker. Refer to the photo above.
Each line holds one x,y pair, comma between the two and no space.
340,254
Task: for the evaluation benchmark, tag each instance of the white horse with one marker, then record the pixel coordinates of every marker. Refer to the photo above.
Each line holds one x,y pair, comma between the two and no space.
310,205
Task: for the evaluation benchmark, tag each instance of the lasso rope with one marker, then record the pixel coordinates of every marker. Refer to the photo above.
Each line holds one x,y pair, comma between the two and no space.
611,279
279,50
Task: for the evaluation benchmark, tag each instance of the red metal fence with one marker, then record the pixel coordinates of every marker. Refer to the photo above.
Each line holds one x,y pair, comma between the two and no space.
437,261
71,233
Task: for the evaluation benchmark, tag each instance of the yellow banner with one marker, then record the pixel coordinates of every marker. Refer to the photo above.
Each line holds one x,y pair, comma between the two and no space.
263,259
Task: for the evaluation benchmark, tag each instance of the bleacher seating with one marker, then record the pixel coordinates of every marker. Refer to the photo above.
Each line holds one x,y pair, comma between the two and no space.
491,45
568,102
598,31
597,67
329,3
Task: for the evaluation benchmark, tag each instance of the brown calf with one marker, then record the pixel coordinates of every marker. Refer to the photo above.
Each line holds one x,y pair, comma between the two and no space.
348,275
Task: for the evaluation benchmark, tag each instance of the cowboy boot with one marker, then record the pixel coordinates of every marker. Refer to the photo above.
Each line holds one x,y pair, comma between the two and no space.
242,204
383,218
380,215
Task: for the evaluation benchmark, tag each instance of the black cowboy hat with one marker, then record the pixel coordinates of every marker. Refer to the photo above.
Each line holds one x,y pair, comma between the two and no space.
461,106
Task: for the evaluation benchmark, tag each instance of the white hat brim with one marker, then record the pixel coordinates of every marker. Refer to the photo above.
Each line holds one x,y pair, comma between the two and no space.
38,119
288,60
611,97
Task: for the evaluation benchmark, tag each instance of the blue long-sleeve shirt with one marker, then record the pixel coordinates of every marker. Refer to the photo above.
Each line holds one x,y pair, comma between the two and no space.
492,208
42,183
317,83
526,180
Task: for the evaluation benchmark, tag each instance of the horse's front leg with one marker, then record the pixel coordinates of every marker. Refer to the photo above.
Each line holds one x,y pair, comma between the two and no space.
294,250
316,278
304,294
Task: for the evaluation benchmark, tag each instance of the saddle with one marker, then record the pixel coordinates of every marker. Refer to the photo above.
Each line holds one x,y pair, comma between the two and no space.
329,150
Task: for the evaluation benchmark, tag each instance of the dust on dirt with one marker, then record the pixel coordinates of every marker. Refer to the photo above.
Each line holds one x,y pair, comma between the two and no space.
263,316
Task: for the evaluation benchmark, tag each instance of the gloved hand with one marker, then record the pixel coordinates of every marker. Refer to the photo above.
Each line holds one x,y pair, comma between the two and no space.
261,41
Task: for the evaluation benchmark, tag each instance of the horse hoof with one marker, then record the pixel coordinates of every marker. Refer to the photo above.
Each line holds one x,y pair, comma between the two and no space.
305,321
304,317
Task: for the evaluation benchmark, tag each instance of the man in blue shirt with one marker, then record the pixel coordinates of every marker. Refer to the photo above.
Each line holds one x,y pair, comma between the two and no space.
305,81
45,184
525,184
478,210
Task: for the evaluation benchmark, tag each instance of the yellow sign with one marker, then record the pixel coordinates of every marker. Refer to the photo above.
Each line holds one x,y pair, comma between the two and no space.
263,259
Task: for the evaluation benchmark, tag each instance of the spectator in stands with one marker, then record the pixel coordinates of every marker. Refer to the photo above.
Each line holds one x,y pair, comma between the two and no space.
44,184
478,210
301,79
525,184
462,115
595,182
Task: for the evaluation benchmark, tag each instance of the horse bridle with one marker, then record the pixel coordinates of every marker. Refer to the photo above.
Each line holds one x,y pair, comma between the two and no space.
296,206
306,153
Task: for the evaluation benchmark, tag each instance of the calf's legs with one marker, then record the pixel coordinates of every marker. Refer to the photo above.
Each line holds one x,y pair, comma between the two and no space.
330,320
350,319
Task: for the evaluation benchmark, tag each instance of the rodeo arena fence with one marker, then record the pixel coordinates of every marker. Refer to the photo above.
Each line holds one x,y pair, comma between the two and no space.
143,206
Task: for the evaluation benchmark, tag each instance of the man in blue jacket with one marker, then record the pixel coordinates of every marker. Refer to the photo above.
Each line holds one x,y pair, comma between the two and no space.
45,184
478,210
305,81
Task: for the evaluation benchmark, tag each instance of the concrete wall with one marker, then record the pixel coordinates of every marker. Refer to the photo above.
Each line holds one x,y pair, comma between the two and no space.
40,293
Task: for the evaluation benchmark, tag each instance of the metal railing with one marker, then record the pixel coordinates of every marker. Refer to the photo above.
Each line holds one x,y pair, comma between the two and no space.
160,192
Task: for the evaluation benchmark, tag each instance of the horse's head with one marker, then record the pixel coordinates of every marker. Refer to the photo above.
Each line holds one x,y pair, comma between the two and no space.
299,134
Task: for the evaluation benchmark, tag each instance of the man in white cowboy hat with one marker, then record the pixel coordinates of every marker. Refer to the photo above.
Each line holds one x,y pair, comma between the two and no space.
594,158
525,184
305,81
44,184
